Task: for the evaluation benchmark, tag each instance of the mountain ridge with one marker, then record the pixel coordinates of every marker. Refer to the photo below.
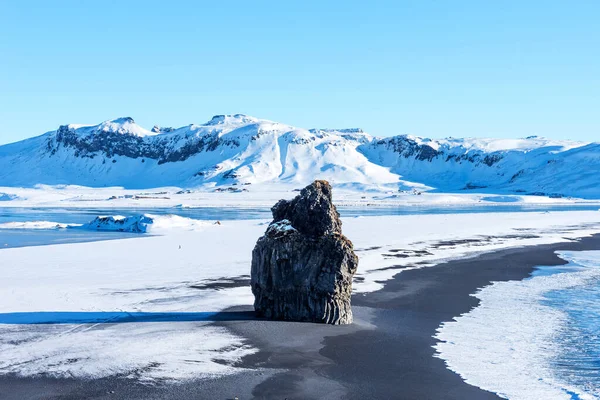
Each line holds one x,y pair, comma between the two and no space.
238,149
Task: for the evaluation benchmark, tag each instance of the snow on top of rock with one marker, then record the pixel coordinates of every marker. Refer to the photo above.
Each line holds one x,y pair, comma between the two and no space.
338,131
282,227
524,145
230,126
490,145
245,125
123,125
353,134
232,119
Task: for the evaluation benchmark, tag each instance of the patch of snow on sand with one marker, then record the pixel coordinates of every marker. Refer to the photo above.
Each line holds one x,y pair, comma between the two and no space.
145,351
388,245
505,345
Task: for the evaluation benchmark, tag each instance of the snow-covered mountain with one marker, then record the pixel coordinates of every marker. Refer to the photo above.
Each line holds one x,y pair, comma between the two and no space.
246,150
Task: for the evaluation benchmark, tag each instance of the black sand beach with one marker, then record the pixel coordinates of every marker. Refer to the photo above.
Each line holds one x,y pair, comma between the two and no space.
386,354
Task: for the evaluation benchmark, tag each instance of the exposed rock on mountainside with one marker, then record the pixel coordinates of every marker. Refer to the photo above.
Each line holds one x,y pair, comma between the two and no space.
302,267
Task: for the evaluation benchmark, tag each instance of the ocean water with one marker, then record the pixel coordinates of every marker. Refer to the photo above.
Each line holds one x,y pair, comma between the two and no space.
577,357
533,339
83,215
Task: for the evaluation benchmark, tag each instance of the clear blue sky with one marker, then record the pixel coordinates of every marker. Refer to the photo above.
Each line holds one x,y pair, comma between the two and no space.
430,68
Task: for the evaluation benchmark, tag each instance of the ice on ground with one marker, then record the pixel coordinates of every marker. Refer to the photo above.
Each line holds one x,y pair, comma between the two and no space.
207,270
143,223
36,225
182,271
7,197
259,195
388,245
502,199
506,344
149,352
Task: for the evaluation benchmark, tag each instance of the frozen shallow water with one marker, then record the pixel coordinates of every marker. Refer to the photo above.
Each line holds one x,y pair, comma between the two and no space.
82,215
34,237
30,237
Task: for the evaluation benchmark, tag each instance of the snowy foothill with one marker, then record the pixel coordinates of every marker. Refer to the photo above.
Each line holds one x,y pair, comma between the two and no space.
509,342
199,271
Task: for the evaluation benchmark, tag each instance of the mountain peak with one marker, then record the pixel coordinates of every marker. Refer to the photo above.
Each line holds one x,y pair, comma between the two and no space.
122,120
233,119
122,125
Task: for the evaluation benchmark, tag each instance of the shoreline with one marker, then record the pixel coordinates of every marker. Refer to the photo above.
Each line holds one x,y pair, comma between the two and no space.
396,358
387,353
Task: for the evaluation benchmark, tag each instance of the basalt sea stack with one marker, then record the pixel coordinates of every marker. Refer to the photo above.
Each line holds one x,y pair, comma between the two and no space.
302,267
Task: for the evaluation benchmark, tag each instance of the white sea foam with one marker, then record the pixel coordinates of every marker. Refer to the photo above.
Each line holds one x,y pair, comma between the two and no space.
506,344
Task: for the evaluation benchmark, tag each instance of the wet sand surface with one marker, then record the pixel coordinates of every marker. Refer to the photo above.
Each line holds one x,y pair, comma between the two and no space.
386,354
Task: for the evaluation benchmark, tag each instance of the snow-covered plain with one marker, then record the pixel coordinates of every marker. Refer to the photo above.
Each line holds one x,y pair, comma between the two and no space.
190,269
265,195
507,343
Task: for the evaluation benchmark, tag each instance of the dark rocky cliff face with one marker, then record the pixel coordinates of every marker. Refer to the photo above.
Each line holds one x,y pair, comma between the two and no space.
106,143
175,148
302,267
109,144
177,145
406,147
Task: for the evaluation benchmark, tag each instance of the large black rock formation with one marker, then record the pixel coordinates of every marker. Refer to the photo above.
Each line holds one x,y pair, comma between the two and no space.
302,267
